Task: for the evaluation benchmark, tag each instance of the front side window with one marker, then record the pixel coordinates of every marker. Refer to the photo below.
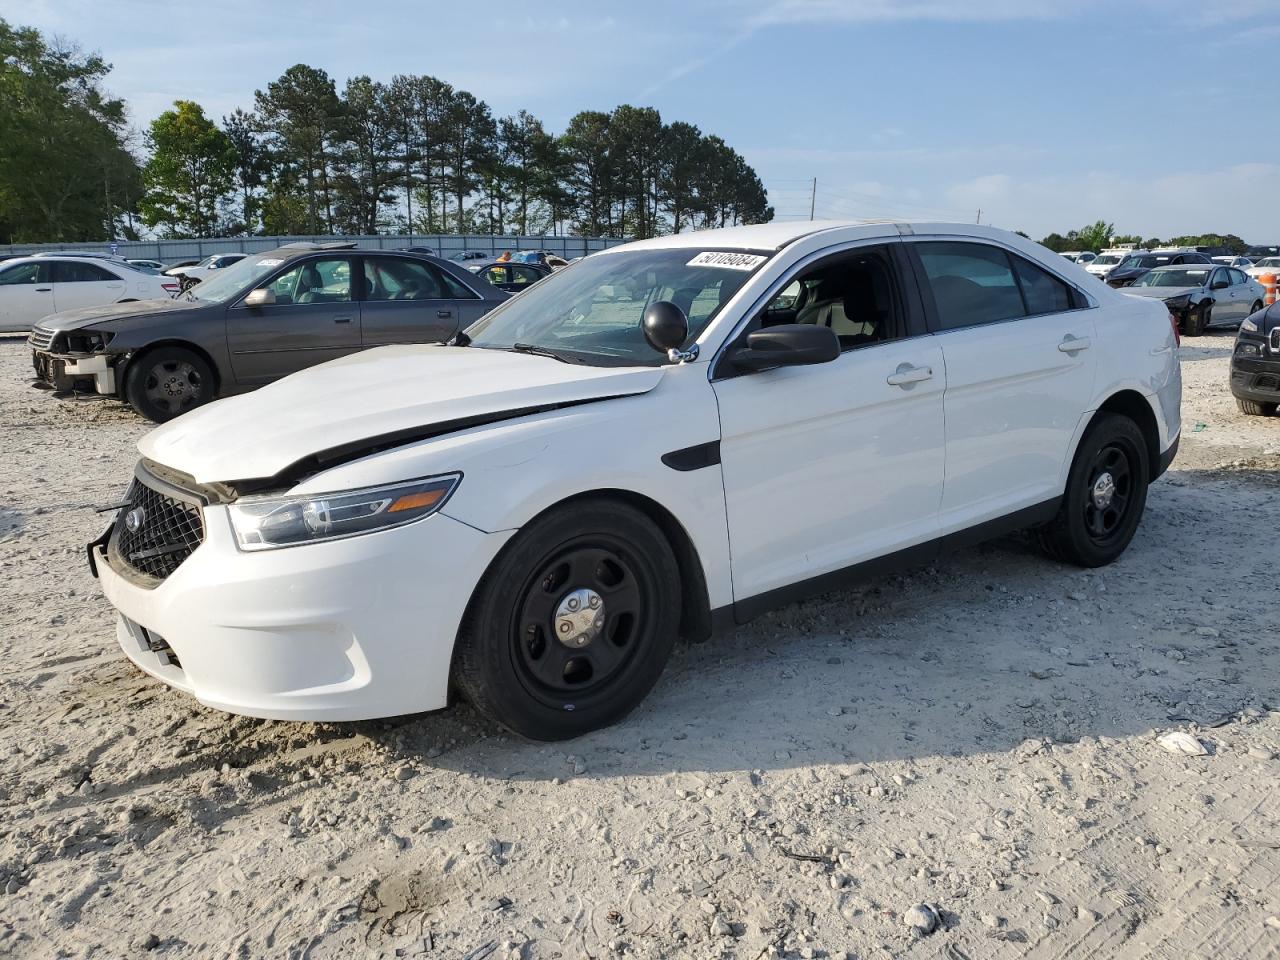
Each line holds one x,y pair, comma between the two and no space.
854,294
523,275
1220,276
971,283
73,271
314,281
25,273
590,311
495,274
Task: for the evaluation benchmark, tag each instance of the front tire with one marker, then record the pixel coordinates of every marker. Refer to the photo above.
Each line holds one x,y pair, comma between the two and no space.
1198,320
168,381
1105,496
573,623
1256,409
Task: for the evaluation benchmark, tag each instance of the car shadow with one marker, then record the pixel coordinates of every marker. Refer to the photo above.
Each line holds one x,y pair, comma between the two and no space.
974,654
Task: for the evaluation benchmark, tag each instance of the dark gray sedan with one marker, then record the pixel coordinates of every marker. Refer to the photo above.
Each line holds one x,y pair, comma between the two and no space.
263,318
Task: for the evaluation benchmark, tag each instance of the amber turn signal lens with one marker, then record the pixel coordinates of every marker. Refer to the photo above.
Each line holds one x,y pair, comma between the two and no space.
417,501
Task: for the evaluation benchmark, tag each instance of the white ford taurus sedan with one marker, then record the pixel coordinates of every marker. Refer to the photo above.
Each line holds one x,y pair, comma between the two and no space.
665,438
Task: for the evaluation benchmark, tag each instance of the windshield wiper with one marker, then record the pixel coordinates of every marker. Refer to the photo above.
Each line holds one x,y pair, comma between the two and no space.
537,351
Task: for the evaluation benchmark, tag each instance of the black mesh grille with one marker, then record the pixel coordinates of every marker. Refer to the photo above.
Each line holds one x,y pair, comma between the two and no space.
155,532
1267,382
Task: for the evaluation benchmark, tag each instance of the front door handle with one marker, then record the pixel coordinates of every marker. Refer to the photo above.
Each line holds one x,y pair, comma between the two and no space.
1072,344
906,374
44,289
444,314
341,319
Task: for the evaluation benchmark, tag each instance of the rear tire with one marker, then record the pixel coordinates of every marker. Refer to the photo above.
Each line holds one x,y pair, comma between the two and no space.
1256,308
524,656
168,381
1256,409
1105,496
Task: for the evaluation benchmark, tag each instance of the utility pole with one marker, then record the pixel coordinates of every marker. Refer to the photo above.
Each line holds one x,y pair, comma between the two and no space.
813,197
979,220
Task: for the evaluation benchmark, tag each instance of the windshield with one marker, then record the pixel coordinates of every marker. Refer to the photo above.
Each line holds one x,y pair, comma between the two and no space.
1106,258
1268,262
1174,277
224,284
590,312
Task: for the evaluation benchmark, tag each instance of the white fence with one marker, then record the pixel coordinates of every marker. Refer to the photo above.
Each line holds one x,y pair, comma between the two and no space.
445,245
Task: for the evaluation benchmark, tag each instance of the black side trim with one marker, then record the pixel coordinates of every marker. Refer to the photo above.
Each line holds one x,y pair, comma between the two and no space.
1166,458
357,449
878,567
695,457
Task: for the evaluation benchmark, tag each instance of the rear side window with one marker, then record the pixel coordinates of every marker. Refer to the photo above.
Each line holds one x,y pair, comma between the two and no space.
1043,292
971,283
69,271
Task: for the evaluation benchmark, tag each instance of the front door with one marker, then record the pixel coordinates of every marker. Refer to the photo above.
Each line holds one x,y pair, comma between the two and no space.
26,294
315,318
828,465
410,301
79,283
1017,342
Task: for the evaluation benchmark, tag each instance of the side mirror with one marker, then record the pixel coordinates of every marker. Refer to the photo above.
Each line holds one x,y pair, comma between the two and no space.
1219,285
787,345
262,297
665,326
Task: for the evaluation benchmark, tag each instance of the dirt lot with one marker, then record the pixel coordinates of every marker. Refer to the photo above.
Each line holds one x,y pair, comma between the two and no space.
978,737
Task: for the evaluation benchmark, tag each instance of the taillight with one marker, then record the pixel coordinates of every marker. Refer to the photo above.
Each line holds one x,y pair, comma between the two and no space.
170,288
1177,337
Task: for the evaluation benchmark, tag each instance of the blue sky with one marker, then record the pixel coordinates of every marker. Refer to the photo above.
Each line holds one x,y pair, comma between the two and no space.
1046,115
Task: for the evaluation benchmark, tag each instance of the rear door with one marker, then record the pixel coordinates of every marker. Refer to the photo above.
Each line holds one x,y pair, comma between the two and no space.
26,294
81,283
315,318
1017,344
412,301
1241,295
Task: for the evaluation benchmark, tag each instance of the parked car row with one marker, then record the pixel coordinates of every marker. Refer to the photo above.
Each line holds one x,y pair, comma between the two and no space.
37,286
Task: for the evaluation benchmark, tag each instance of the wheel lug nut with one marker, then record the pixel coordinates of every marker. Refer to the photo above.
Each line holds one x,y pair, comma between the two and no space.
565,628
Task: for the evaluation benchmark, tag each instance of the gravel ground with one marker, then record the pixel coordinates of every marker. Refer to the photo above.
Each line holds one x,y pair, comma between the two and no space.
971,747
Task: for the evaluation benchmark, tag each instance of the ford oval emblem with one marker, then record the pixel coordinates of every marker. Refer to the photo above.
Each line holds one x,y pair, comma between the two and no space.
133,519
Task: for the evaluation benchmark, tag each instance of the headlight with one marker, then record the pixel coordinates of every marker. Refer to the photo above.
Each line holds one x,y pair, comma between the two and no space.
1249,326
1178,303
87,341
261,524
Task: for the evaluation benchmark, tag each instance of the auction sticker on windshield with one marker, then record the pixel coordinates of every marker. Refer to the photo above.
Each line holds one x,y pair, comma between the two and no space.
729,261
269,263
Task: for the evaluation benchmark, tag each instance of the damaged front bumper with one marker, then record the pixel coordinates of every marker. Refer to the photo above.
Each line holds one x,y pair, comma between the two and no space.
67,371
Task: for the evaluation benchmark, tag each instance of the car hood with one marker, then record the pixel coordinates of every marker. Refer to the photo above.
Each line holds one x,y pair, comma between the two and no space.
391,393
1161,293
86,316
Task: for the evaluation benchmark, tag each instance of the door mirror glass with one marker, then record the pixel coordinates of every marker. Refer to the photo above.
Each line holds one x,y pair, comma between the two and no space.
1219,285
787,345
262,297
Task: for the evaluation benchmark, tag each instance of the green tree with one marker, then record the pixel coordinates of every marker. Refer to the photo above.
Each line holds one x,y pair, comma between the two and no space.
1095,237
66,173
366,156
300,114
251,166
190,173
586,149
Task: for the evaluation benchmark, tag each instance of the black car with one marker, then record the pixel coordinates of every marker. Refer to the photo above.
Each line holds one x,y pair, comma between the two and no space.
509,275
258,320
1132,267
1255,363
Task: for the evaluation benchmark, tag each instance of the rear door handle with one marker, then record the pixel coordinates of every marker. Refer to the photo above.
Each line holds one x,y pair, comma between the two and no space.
444,314
1071,344
341,319
44,289
906,374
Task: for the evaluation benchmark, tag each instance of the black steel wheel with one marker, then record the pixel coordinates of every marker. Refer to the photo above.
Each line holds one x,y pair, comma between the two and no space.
1198,320
573,623
1105,496
168,381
